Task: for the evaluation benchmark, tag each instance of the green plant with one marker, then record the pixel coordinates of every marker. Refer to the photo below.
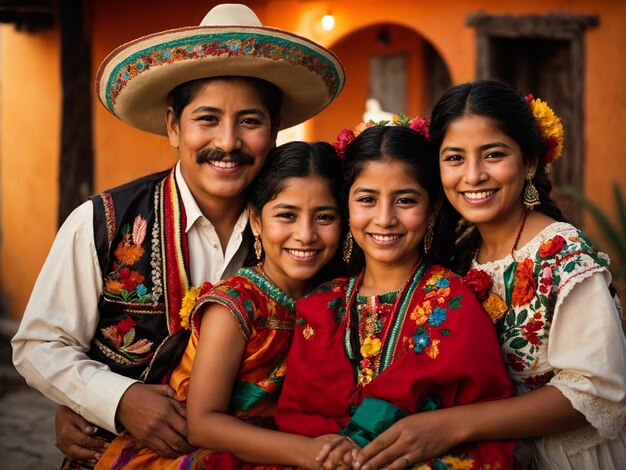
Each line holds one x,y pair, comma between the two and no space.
613,234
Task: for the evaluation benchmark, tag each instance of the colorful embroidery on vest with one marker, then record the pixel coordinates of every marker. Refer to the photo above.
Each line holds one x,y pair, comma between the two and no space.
155,256
124,283
175,252
122,335
109,215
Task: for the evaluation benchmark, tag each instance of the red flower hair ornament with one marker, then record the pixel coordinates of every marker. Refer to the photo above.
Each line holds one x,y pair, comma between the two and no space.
346,136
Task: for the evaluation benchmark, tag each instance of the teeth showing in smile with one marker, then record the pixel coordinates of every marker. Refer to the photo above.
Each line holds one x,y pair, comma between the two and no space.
223,164
479,195
302,254
385,238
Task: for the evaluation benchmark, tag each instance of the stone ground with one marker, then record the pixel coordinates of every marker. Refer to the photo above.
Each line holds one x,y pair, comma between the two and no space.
26,417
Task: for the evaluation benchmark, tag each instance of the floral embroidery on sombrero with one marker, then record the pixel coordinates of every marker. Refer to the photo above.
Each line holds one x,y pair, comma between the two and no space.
124,283
122,335
239,44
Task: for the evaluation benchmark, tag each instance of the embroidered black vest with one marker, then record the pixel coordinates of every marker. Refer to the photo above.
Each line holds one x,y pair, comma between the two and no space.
139,232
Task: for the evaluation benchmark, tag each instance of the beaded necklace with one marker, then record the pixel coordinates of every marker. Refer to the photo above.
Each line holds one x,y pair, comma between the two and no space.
518,235
509,272
371,347
515,242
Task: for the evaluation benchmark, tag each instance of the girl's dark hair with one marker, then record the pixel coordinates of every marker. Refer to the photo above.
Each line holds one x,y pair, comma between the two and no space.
378,143
298,160
290,160
271,96
509,111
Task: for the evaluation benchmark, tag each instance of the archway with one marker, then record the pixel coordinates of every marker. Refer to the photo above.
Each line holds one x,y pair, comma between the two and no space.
389,62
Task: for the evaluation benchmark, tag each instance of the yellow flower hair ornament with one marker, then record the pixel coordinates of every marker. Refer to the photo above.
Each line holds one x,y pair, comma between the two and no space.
189,302
549,125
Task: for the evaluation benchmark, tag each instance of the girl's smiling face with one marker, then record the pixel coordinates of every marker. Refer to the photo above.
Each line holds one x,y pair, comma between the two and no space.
300,230
482,171
389,212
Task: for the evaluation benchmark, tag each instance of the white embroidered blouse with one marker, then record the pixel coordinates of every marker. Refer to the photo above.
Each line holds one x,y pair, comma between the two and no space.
563,329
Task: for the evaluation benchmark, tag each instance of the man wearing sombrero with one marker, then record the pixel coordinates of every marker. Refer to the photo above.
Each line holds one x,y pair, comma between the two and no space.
106,302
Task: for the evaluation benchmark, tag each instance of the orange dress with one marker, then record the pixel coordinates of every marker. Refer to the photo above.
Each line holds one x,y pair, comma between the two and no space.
266,319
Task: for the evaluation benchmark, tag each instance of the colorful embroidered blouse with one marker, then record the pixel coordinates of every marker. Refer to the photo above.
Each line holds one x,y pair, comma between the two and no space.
562,328
439,350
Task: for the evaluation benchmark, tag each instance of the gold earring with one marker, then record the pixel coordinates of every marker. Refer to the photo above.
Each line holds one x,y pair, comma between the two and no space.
428,238
531,195
347,248
258,248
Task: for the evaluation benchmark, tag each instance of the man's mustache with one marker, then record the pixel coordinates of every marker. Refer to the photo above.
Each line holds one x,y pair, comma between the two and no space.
216,155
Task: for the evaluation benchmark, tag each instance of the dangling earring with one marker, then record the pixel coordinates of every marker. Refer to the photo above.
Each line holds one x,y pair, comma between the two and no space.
531,195
258,248
428,238
347,248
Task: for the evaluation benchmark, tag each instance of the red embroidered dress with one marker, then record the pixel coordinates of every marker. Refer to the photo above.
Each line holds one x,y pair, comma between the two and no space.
266,318
429,346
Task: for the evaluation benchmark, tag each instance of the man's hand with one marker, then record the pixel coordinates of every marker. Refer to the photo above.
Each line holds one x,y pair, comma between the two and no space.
155,418
73,434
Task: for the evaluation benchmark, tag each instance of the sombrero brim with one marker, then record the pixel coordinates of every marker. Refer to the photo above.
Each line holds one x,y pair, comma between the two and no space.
134,81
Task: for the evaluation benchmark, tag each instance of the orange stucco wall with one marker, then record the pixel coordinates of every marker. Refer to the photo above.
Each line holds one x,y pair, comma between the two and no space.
29,145
30,98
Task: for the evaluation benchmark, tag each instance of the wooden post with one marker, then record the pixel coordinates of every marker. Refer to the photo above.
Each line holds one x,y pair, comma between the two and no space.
76,158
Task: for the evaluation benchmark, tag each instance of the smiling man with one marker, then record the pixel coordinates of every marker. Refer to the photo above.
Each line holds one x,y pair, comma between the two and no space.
96,331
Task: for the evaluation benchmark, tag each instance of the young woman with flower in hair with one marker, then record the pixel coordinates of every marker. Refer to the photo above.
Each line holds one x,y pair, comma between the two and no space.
546,288
403,334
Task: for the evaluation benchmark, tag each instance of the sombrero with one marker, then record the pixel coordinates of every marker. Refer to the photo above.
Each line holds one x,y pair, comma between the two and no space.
134,80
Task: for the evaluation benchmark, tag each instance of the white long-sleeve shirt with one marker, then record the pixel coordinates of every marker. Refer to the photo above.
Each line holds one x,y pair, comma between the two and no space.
61,317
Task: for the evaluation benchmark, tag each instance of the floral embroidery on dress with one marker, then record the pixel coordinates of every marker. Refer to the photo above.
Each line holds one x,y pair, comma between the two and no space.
275,375
480,283
430,315
557,256
336,304
525,283
124,283
122,335
374,313
308,332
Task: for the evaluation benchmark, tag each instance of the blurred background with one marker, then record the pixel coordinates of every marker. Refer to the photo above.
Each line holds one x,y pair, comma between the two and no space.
58,144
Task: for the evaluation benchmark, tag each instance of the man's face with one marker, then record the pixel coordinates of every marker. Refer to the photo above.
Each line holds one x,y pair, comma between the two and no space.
223,137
